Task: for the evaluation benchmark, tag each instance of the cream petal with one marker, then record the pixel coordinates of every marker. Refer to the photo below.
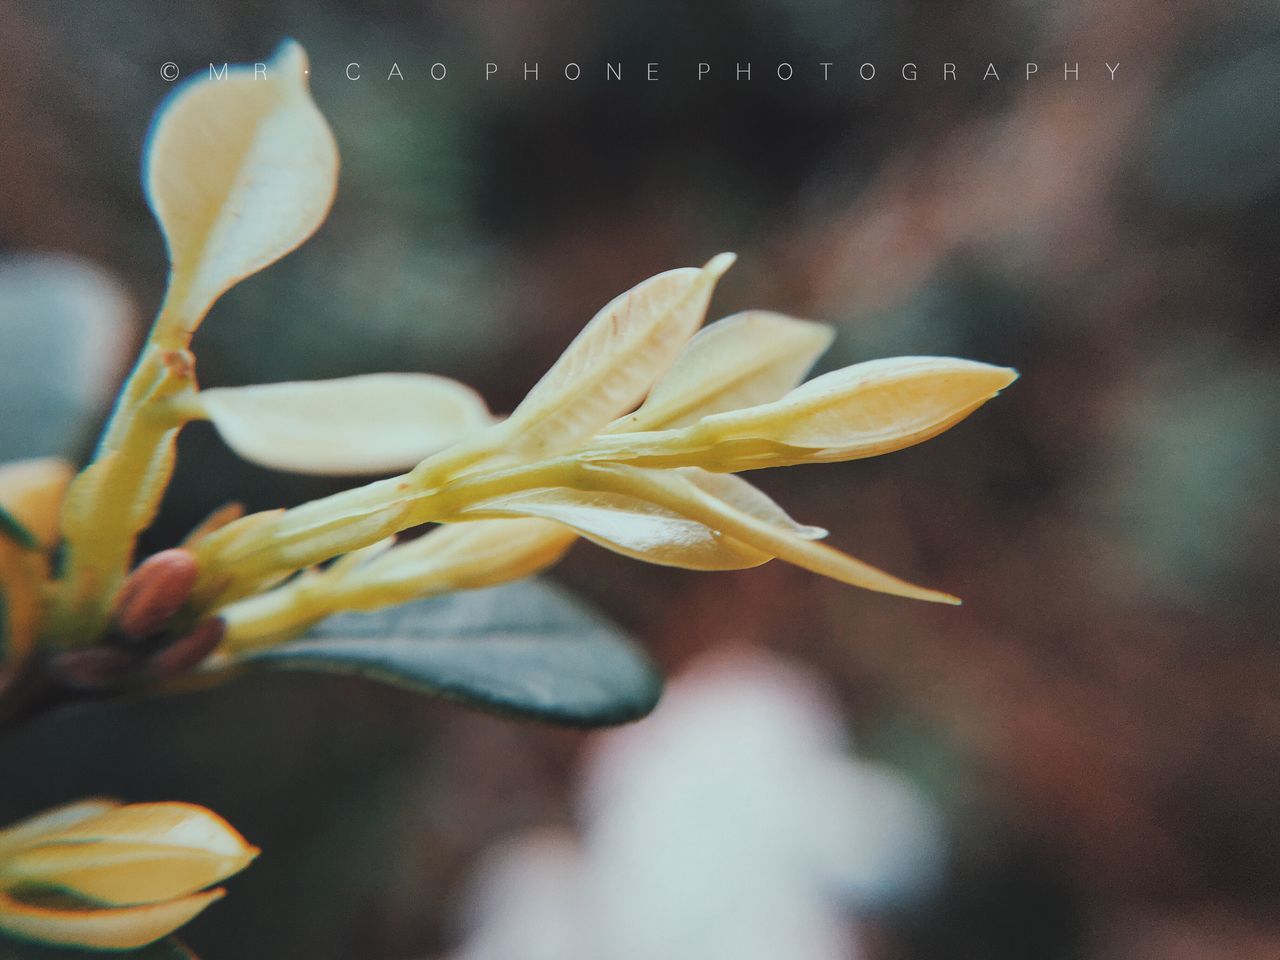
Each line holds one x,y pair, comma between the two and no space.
612,363
131,854
239,169
860,411
377,423
25,832
746,359
676,494
630,526
869,408
461,556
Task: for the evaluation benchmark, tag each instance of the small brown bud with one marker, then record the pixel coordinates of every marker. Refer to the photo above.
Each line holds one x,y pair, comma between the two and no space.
96,668
154,592
188,651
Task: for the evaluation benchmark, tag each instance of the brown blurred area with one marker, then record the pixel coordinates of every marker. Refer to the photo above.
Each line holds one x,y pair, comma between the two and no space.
1100,721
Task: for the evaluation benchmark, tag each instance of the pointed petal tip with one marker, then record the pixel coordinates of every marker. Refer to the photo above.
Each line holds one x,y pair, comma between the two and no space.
719,264
929,596
291,59
288,49
993,378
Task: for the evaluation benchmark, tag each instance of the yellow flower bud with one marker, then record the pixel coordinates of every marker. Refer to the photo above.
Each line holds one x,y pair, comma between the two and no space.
123,876
864,410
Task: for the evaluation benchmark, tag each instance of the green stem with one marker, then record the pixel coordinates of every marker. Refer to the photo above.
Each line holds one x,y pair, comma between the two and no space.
257,548
117,496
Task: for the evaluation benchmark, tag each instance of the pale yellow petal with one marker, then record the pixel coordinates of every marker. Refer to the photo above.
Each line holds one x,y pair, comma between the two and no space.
860,411
630,526
463,556
677,494
613,362
741,495
240,170
111,928
32,491
650,532
746,359
121,874
123,855
169,823
869,408
377,423
25,832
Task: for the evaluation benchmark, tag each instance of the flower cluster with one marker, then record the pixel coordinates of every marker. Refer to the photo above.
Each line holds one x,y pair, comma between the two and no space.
632,440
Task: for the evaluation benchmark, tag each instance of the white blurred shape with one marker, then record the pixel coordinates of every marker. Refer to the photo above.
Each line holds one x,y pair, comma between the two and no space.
692,819
730,825
876,839
526,901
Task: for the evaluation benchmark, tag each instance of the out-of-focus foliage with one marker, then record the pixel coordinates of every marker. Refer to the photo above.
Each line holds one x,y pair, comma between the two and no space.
65,334
1215,144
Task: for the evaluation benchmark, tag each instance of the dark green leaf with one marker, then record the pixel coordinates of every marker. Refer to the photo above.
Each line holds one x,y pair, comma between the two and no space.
12,529
524,648
169,949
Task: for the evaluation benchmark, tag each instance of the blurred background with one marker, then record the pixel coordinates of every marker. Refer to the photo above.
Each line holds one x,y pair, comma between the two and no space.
1087,753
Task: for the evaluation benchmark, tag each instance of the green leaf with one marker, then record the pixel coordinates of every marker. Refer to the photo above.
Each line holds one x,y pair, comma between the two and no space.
167,949
523,648
12,529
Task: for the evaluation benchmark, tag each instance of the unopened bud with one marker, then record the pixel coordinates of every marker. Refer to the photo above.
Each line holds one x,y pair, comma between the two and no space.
154,592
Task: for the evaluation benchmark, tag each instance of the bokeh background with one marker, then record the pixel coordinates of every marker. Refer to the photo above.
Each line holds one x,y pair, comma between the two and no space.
1098,728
